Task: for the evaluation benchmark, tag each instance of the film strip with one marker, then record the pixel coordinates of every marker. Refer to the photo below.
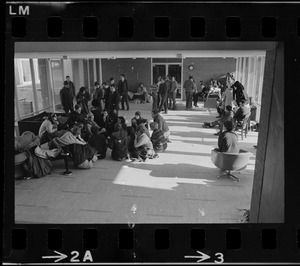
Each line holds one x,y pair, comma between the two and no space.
169,30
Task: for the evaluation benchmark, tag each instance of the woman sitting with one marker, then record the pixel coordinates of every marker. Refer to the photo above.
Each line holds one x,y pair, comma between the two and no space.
141,94
49,129
143,144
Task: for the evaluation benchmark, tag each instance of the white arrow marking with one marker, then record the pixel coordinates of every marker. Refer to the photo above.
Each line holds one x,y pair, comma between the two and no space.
202,257
60,257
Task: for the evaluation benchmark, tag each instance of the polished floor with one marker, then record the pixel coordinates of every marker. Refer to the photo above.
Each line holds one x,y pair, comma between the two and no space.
181,186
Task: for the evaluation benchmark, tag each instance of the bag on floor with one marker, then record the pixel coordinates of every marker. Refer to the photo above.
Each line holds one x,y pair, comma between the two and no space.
37,166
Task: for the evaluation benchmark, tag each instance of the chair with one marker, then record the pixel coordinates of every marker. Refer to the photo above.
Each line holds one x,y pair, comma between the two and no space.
245,125
230,162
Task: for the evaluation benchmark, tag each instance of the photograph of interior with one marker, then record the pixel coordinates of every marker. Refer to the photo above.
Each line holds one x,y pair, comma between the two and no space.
190,180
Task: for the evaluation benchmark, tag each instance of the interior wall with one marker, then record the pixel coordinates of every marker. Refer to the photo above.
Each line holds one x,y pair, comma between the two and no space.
135,71
267,203
208,68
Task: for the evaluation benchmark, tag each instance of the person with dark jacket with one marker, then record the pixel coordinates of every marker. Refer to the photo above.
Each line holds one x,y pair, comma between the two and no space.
107,92
228,140
118,143
66,97
172,94
114,100
189,87
99,94
163,92
138,119
71,86
76,116
123,91
239,93
83,97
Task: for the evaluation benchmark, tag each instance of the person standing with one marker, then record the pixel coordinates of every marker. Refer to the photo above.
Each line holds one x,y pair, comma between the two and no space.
107,92
239,93
98,95
71,86
188,86
162,124
172,94
123,91
114,100
66,98
163,92
83,97
159,81
154,94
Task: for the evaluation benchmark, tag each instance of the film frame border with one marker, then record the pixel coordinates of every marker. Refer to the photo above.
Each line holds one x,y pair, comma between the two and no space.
287,31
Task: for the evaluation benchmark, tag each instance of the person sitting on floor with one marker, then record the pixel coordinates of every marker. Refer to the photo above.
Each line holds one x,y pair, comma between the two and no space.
143,144
157,138
228,140
228,115
118,143
76,116
49,129
162,124
138,119
70,137
92,128
131,150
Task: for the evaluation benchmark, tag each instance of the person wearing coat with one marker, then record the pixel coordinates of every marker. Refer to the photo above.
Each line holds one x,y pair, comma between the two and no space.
114,100
83,97
123,91
66,97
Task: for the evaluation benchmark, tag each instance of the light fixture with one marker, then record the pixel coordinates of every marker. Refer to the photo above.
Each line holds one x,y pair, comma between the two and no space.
191,67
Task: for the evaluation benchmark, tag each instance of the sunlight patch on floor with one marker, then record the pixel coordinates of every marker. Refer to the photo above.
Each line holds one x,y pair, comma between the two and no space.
128,176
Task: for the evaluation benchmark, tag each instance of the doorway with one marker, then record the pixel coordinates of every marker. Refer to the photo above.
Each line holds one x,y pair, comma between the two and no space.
172,69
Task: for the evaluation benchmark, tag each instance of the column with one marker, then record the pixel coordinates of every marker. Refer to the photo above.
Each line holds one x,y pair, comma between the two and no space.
236,68
240,68
88,75
32,72
94,70
50,83
100,70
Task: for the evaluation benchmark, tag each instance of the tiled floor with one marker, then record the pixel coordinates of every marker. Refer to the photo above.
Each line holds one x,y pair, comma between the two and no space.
181,186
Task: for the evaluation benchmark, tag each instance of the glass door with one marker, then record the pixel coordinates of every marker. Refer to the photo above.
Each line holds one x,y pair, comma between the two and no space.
175,71
158,70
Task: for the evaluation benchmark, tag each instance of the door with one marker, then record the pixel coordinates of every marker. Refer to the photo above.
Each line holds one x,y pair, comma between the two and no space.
174,70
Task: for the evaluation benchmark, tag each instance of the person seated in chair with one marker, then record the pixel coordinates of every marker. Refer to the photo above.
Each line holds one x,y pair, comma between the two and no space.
228,115
228,140
204,91
242,111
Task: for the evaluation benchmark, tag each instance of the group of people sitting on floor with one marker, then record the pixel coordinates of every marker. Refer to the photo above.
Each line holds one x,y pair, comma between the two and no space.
87,136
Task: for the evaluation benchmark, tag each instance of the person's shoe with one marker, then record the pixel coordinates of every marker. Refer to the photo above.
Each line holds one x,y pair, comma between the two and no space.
218,133
218,116
169,141
255,146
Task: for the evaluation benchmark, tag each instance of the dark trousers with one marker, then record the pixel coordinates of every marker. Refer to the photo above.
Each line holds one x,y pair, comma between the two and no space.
125,99
195,98
155,100
172,100
163,103
189,98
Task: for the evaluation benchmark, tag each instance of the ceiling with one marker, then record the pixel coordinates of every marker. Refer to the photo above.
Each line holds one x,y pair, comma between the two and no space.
140,49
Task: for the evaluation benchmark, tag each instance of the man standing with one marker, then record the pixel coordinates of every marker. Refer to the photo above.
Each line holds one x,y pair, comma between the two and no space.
162,124
163,92
188,86
98,95
71,86
114,100
123,91
172,94
66,97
